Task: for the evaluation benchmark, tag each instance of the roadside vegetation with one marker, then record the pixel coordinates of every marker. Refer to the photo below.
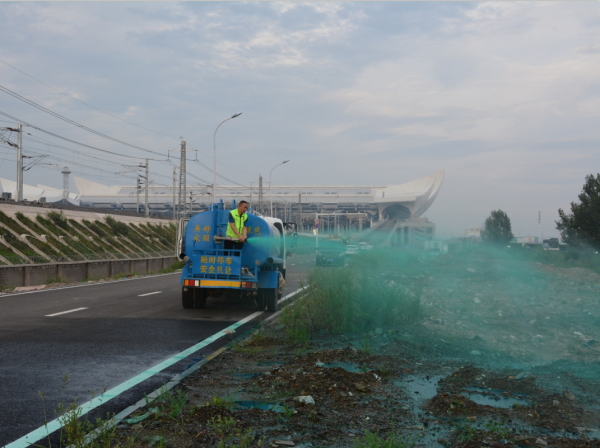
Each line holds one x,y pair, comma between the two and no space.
485,324
53,237
359,298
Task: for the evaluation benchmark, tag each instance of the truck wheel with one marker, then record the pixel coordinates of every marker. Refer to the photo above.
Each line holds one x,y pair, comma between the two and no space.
186,298
199,295
260,300
272,296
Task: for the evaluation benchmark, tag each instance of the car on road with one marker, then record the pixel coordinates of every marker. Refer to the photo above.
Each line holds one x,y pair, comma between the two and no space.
328,257
364,246
351,249
331,252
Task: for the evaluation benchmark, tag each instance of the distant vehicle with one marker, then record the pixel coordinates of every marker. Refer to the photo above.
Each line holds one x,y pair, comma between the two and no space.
364,246
331,252
551,244
351,249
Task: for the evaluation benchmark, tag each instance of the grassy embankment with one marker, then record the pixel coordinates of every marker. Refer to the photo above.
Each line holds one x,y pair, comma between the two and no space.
70,240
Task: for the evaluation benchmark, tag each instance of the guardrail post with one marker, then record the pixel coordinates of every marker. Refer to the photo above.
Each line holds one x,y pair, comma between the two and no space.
130,266
110,268
147,265
87,271
59,270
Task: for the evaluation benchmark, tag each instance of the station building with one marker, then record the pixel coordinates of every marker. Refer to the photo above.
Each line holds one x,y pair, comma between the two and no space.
338,207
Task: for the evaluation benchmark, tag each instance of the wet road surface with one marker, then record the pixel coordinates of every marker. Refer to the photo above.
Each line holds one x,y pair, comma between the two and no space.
73,343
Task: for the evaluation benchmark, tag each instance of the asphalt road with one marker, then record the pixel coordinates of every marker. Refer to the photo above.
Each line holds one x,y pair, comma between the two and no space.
112,332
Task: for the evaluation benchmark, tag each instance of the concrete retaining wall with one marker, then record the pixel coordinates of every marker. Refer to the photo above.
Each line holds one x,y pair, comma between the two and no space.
78,271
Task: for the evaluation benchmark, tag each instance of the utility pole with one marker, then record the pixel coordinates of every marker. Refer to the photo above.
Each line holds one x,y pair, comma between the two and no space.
146,192
65,172
20,164
540,227
182,185
138,188
299,225
260,194
174,182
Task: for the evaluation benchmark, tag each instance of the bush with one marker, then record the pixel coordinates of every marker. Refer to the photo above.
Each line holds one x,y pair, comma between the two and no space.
58,219
356,298
120,228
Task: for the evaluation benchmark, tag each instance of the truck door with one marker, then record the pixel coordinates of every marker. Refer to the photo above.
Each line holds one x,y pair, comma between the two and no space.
180,242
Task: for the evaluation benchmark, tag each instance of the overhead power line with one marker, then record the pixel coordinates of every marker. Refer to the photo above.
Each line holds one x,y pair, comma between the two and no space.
220,175
68,139
84,103
220,163
74,123
29,149
23,122
42,141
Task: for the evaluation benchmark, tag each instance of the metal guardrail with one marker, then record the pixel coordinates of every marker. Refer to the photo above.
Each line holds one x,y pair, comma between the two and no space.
36,259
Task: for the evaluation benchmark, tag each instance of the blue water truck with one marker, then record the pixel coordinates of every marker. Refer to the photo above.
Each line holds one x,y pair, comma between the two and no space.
256,272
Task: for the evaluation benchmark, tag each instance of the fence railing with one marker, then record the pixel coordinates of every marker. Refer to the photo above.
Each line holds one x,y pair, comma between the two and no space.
36,259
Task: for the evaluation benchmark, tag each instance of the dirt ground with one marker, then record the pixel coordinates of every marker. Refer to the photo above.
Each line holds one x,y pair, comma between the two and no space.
505,357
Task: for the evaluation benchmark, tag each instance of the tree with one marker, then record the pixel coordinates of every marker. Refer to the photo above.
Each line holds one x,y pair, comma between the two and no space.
496,228
582,226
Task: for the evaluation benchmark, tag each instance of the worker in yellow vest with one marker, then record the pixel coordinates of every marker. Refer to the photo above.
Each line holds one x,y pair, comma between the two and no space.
236,229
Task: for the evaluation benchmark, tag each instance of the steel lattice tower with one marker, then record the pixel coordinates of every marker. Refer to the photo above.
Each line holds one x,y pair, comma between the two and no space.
65,172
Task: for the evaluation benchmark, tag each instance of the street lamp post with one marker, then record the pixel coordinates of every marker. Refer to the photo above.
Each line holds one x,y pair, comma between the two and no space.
271,191
215,155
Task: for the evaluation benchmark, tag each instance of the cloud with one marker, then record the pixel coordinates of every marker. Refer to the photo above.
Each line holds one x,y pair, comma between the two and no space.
504,95
454,89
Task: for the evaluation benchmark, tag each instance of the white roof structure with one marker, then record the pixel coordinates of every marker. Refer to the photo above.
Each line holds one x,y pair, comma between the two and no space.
31,193
408,200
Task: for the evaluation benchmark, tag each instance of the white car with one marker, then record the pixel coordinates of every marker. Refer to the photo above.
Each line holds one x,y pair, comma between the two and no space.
363,246
351,249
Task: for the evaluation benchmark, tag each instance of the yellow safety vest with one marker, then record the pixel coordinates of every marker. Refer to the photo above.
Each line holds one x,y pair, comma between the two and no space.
239,224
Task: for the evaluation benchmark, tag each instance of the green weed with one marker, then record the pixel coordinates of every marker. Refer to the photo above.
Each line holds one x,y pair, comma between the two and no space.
230,436
170,404
226,402
390,440
118,227
494,430
357,298
285,414
77,429
125,275
366,346
58,219
51,280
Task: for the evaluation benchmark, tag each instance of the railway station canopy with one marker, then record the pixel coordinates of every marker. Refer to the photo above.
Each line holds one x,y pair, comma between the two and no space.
37,193
408,200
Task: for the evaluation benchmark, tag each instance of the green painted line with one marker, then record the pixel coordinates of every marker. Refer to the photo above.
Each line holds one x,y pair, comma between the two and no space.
54,425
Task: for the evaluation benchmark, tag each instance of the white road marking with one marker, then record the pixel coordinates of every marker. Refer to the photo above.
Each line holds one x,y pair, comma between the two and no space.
107,282
149,293
65,312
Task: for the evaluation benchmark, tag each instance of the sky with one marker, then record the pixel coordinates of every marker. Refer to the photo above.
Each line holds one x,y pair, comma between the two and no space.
503,96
